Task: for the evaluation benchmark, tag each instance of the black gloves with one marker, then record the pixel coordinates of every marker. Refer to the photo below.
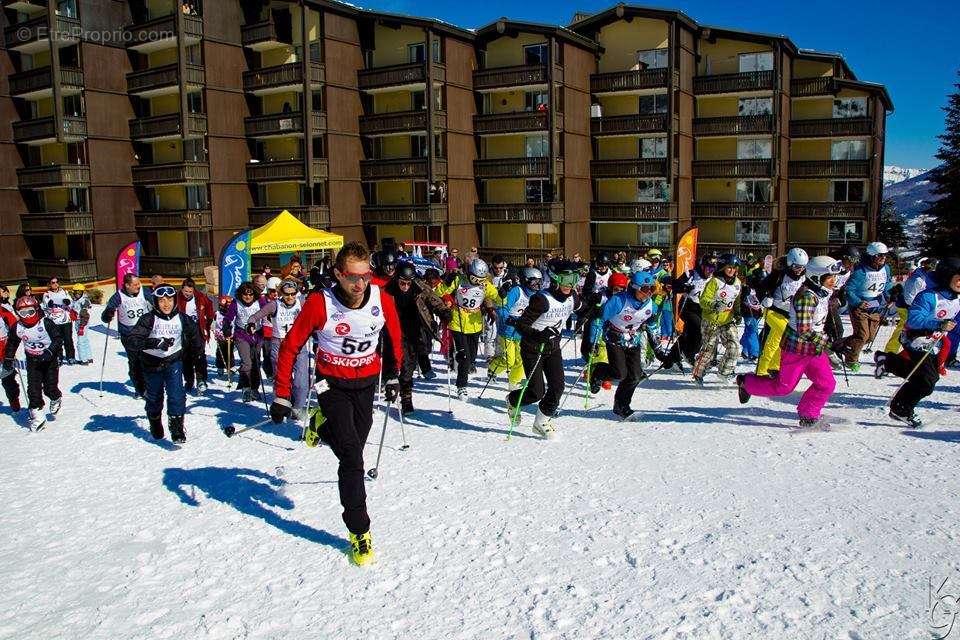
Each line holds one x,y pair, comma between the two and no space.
841,348
159,343
280,409
548,335
107,316
251,328
391,390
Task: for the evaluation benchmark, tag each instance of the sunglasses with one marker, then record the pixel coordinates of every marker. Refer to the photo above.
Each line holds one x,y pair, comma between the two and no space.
289,294
165,291
354,278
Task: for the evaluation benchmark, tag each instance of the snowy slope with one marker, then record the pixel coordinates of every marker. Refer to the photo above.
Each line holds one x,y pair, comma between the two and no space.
701,520
893,174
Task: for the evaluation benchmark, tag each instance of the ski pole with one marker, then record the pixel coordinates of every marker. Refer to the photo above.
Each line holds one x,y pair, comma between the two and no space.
403,432
569,392
229,363
515,415
103,363
869,347
917,366
306,412
22,385
484,390
449,397
373,473
231,430
843,365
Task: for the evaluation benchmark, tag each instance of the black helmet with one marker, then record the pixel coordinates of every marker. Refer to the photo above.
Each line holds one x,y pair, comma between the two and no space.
602,259
708,259
729,260
947,268
386,260
406,271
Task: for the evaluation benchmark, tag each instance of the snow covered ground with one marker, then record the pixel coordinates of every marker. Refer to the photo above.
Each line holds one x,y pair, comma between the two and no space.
701,520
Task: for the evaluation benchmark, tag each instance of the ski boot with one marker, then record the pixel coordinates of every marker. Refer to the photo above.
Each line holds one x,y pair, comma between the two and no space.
462,393
176,430
623,412
835,363
542,425
247,395
312,435
361,548
298,416
727,378
15,404
854,367
55,405
741,390
430,375
595,385
255,395
814,423
156,427
406,406
697,380
201,388
911,420
880,360
37,419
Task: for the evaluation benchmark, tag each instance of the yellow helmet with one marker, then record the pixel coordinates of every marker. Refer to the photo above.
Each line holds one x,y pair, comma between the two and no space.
79,288
654,252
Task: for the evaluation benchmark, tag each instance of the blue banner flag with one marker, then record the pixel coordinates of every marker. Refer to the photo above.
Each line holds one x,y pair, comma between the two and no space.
235,263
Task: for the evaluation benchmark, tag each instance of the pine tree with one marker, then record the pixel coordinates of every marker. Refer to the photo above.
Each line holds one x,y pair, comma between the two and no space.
891,226
941,230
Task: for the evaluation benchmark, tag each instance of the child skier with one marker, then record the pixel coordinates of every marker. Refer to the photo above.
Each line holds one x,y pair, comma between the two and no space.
720,302
236,324
41,339
80,308
8,320
514,304
778,290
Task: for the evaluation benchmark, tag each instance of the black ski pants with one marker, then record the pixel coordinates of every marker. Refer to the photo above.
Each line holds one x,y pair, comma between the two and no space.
11,387
545,377
413,355
919,385
67,350
43,379
349,416
626,365
465,347
834,325
134,366
691,339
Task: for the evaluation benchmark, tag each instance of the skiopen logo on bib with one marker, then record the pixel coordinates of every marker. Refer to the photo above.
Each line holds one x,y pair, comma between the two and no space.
723,294
628,318
342,329
375,311
942,313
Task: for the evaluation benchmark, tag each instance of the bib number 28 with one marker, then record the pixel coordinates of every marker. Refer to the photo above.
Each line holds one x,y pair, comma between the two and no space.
352,345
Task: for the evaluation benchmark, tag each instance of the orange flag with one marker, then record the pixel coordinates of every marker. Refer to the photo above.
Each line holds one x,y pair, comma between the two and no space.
686,260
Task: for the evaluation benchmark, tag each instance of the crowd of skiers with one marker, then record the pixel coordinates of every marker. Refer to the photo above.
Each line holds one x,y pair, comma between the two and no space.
364,324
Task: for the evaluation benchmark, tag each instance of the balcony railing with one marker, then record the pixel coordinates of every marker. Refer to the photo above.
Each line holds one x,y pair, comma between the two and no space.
514,167
849,210
162,28
629,168
286,170
627,81
313,215
283,75
400,122
38,29
734,82
175,267
395,169
734,125
46,128
167,125
829,168
398,75
737,248
831,127
263,32
165,77
67,222
805,87
607,211
767,210
172,173
42,78
64,270
404,213
55,175
518,122
544,212
628,124
187,219
517,256
762,168
523,75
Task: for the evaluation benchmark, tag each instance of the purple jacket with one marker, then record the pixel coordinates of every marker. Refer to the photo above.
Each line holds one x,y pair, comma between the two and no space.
231,326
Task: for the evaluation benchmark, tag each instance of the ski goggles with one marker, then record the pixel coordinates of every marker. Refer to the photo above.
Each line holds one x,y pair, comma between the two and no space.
566,279
477,279
289,288
27,312
645,288
164,291
835,269
354,278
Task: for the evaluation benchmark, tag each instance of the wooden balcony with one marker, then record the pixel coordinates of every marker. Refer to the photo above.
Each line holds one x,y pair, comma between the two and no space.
627,125
831,128
517,122
175,267
397,76
35,34
400,122
829,168
286,170
435,213
162,32
740,249
38,83
629,168
282,77
312,215
808,87
54,176
63,270
734,125
44,130
264,35
171,173
283,124
175,219
164,79
57,222
518,256
167,126
629,81
763,210
524,75
844,210
762,168
628,211
515,168
544,212
401,169
747,82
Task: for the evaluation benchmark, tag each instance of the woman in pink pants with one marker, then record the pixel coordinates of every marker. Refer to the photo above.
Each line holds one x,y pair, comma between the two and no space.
805,347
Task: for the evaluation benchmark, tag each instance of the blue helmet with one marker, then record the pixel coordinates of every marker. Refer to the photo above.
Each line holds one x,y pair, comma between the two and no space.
641,279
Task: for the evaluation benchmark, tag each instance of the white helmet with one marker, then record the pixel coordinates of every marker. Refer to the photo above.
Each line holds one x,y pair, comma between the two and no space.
478,269
877,249
273,283
797,257
640,264
820,266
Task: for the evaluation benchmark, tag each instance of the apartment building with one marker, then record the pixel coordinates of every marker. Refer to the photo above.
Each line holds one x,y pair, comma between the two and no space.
181,122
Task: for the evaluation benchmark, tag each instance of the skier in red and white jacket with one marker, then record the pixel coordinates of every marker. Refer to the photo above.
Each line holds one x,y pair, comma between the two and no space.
347,320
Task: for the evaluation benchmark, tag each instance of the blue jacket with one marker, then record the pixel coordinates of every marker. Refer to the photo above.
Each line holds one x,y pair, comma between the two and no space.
918,281
615,305
922,315
508,331
856,287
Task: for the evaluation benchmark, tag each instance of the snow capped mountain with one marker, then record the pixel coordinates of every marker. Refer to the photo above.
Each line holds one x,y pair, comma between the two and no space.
893,174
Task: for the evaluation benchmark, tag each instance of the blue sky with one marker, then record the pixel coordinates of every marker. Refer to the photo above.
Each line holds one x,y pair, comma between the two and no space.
913,48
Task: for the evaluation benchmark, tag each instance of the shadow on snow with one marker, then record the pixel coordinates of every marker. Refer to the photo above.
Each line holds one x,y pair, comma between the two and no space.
127,425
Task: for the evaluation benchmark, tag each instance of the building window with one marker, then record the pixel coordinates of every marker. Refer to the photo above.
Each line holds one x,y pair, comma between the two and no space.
77,200
194,150
436,50
67,8
844,231
196,196
752,232
652,59
753,191
415,53
652,191
657,103
848,150
198,243
194,54
368,58
535,53
755,106
72,105
537,191
195,102
653,234
535,100
316,53
418,100
653,147
762,61
536,146
848,190
418,146
754,149
850,108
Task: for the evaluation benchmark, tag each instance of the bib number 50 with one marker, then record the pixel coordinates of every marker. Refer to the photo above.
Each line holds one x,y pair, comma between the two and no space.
352,345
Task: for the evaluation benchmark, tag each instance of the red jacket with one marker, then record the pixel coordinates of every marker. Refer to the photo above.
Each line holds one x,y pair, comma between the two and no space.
205,312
